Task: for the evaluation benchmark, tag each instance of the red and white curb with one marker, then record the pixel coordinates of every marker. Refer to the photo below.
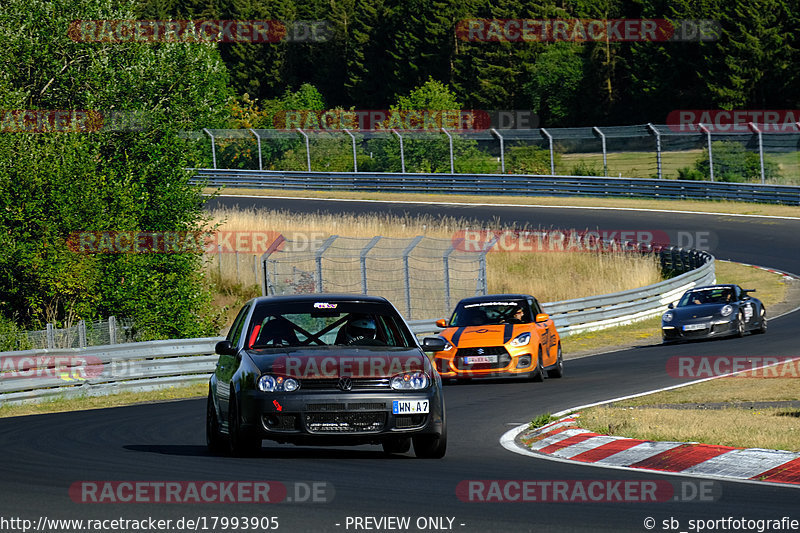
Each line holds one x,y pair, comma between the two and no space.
565,440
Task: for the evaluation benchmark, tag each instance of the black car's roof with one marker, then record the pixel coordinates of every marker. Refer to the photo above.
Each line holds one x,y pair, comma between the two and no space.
706,287
321,297
494,297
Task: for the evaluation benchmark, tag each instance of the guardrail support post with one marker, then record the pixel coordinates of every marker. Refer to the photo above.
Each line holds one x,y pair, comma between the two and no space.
406,276
258,140
364,253
710,156
402,153
308,149
552,158
760,148
355,161
605,156
213,149
450,138
502,157
658,148
322,249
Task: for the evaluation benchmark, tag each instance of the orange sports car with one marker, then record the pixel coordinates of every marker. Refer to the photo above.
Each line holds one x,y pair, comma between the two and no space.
499,335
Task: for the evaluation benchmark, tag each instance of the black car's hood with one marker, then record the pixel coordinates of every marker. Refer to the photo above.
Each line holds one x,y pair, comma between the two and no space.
334,361
690,312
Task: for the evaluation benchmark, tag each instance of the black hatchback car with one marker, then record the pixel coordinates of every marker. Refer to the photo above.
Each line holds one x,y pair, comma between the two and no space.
324,369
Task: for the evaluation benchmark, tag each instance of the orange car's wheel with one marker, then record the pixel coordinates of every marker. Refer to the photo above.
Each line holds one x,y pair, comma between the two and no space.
558,370
538,373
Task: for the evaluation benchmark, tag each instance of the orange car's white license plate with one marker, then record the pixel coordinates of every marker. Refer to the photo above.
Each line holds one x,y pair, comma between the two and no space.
471,360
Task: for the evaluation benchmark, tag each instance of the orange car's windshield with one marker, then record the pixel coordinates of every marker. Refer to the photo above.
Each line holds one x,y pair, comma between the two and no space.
485,313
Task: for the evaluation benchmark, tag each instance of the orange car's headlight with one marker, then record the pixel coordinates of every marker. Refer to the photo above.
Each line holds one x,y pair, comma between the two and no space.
523,339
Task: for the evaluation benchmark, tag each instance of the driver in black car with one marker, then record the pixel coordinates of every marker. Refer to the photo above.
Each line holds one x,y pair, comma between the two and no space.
359,329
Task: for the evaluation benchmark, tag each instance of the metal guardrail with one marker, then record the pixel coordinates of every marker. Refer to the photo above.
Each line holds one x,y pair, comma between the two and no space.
501,184
36,375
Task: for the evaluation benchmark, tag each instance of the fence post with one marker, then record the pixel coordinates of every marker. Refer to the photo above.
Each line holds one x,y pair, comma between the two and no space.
481,288
322,249
219,261
308,149
502,154
238,275
605,158
51,336
658,148
82,334
265,288
364,252
710,157
255,268
406,276
355,161
450,137
446,267
402,153
213,149
760,148
552,159
258,139
112,329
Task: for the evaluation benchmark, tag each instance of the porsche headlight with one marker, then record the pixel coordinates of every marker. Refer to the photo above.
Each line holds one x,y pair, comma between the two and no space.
522,339
267,383
667,317
410,381
726,310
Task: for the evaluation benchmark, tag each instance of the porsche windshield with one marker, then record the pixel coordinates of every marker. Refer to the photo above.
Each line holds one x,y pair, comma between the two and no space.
325,323
720,295
483,313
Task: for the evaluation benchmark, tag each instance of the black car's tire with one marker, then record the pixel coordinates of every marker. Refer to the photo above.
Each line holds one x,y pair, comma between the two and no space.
401,445
558,370
240,443
214,440
538,372
762,327
431,447
741,329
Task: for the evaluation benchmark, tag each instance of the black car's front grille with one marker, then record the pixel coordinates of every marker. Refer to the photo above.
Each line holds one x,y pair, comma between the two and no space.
350,406
363,422
358,384
278,422
503,359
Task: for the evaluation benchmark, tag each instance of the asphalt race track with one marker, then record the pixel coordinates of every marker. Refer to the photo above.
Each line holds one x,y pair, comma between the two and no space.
45,455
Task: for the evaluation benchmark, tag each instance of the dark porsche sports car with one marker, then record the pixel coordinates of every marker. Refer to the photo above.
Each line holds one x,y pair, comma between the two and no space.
322,369
713,311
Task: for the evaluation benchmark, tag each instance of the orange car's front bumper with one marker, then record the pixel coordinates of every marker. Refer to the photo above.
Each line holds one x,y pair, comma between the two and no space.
509,362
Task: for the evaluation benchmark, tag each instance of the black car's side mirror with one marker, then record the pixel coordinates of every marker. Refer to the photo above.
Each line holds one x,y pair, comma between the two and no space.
224,348
433,344
671,306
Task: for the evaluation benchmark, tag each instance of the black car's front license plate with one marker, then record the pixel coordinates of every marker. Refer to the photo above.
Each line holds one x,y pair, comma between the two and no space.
402,407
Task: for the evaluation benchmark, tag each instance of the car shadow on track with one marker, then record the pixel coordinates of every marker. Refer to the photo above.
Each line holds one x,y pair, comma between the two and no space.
273,452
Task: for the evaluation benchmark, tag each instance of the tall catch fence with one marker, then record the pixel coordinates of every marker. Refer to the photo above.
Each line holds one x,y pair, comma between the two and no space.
422,276
754,153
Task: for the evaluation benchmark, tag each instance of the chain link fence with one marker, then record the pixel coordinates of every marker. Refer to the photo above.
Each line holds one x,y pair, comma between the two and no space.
81,335
422,276
753,153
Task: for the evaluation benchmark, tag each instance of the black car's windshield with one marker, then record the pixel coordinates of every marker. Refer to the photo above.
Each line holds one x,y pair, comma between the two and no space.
720,295
494,312
323,323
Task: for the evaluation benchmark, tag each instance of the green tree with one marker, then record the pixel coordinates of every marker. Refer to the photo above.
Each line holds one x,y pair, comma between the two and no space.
127,176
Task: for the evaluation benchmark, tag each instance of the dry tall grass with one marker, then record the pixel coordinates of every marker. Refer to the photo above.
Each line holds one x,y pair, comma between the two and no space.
549,276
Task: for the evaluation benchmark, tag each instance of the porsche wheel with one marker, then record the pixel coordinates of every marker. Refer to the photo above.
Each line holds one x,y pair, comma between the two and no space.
538,373
240,443
740,326
762,328
558,371
214,440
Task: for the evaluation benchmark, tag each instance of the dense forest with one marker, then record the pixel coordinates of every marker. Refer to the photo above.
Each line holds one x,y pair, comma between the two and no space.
379,49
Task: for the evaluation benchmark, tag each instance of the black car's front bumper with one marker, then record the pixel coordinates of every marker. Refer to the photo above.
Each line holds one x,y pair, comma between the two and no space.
706,329
339,417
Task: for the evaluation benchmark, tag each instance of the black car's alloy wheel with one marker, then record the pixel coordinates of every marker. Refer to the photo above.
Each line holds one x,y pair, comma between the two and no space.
740,327
762,328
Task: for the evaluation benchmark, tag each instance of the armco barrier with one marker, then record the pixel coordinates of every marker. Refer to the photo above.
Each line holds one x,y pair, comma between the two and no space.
36,375
500,184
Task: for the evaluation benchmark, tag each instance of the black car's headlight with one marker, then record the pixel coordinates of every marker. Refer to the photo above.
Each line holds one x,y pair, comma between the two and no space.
522,339
726,310
411,381
667,317
267,383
